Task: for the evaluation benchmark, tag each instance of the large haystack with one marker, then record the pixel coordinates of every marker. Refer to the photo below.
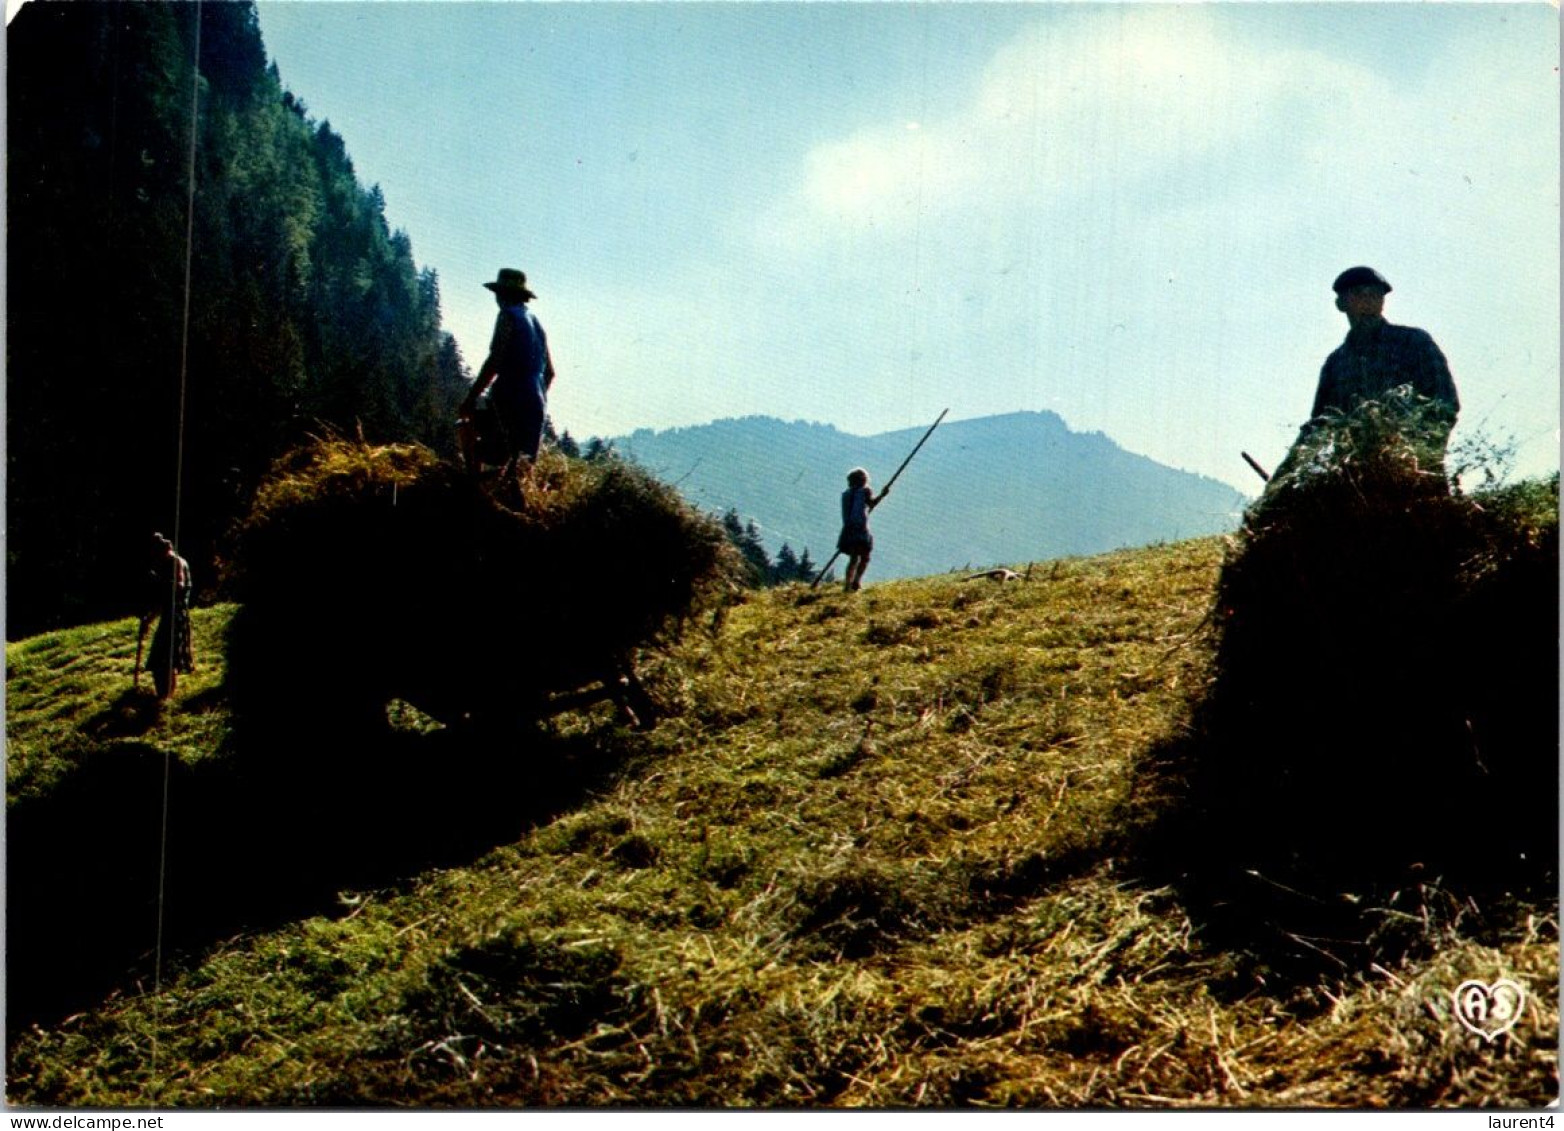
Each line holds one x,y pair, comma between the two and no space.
1385,706
376,573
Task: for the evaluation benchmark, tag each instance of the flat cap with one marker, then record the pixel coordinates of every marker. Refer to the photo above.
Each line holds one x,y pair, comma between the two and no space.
1359,277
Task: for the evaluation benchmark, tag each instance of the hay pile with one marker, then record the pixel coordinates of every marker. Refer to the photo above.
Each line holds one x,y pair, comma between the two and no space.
369,574
1380,742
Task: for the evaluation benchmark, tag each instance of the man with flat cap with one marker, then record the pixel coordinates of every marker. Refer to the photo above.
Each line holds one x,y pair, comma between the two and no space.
518,365
1378,357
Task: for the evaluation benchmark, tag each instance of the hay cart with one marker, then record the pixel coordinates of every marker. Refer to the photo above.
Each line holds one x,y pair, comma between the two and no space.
372,574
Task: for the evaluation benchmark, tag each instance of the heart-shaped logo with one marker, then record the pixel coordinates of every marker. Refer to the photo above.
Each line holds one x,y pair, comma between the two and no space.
1489,1010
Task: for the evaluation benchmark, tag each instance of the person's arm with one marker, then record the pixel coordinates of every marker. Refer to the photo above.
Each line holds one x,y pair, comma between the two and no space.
548,358
491,364
485,375
1325,392
1436,380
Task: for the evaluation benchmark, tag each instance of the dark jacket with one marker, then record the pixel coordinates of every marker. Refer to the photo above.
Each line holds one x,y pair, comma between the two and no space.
1375,360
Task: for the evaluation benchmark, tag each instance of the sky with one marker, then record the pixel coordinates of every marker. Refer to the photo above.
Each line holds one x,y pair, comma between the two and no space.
862,214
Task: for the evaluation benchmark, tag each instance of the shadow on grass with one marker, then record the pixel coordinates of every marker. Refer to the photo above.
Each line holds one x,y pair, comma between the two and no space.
354,570
268,834
131,715
1303,884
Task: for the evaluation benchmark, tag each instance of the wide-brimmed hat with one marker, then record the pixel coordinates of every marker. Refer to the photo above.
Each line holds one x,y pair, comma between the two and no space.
1359,277
511,281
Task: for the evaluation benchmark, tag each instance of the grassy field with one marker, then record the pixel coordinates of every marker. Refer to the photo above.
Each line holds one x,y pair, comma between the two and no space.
884,849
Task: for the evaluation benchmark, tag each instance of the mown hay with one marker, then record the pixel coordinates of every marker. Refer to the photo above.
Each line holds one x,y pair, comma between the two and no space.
1383,723
369,574
1021,960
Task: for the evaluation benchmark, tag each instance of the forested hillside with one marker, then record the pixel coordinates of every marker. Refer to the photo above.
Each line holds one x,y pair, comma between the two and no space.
306,311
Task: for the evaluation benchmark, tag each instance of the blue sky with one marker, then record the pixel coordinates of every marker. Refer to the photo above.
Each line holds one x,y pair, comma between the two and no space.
861,214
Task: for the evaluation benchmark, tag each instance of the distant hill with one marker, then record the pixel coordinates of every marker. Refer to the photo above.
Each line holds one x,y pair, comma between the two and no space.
998,489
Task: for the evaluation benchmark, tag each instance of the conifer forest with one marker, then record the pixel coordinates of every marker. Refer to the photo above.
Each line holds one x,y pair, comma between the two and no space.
197,282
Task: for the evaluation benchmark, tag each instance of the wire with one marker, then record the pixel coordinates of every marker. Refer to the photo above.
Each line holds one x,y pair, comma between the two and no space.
179,474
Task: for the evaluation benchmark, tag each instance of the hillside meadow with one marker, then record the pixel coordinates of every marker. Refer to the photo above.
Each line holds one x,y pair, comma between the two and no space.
883,849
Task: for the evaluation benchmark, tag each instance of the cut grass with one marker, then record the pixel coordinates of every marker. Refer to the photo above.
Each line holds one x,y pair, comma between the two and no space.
69,696
882,854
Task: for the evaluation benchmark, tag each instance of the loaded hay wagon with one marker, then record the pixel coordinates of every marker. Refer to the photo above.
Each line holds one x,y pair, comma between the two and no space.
370,574
1375,758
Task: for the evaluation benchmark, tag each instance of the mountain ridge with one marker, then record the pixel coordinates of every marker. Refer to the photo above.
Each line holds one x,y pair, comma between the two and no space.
983,491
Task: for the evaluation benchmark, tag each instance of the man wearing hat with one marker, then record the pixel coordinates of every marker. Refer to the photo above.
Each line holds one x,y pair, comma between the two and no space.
518,365
1378,356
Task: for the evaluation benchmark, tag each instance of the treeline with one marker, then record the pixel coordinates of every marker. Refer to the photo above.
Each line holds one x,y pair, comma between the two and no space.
763,570
306,312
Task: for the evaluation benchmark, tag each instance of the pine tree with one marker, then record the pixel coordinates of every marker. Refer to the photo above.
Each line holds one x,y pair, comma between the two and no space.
754,550
306,310
785,568
757,566
806,567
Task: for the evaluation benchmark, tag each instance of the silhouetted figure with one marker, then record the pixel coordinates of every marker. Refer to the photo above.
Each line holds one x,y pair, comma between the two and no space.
1377,358
855,540
168,599
521,370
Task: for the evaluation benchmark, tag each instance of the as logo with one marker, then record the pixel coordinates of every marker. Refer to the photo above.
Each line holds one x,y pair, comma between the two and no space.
1489,1010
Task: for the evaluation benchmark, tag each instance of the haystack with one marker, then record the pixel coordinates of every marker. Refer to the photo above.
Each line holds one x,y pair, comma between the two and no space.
368,574
1385,704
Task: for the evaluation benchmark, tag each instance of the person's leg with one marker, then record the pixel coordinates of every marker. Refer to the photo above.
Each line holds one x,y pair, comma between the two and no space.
522,422
186,644
529,428
160,657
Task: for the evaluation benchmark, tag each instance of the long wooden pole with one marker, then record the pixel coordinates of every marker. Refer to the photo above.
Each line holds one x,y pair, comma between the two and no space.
819,576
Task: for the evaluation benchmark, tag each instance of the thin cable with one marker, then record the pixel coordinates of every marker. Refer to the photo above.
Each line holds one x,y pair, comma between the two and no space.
179,474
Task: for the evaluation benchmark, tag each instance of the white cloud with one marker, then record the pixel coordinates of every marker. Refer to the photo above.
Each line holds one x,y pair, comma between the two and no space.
1131,218
1081,102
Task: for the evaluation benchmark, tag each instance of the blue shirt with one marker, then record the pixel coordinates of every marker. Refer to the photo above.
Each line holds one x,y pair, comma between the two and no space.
521,350
855,509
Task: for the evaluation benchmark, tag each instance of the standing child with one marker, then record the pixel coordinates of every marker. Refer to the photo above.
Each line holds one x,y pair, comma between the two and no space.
855,540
